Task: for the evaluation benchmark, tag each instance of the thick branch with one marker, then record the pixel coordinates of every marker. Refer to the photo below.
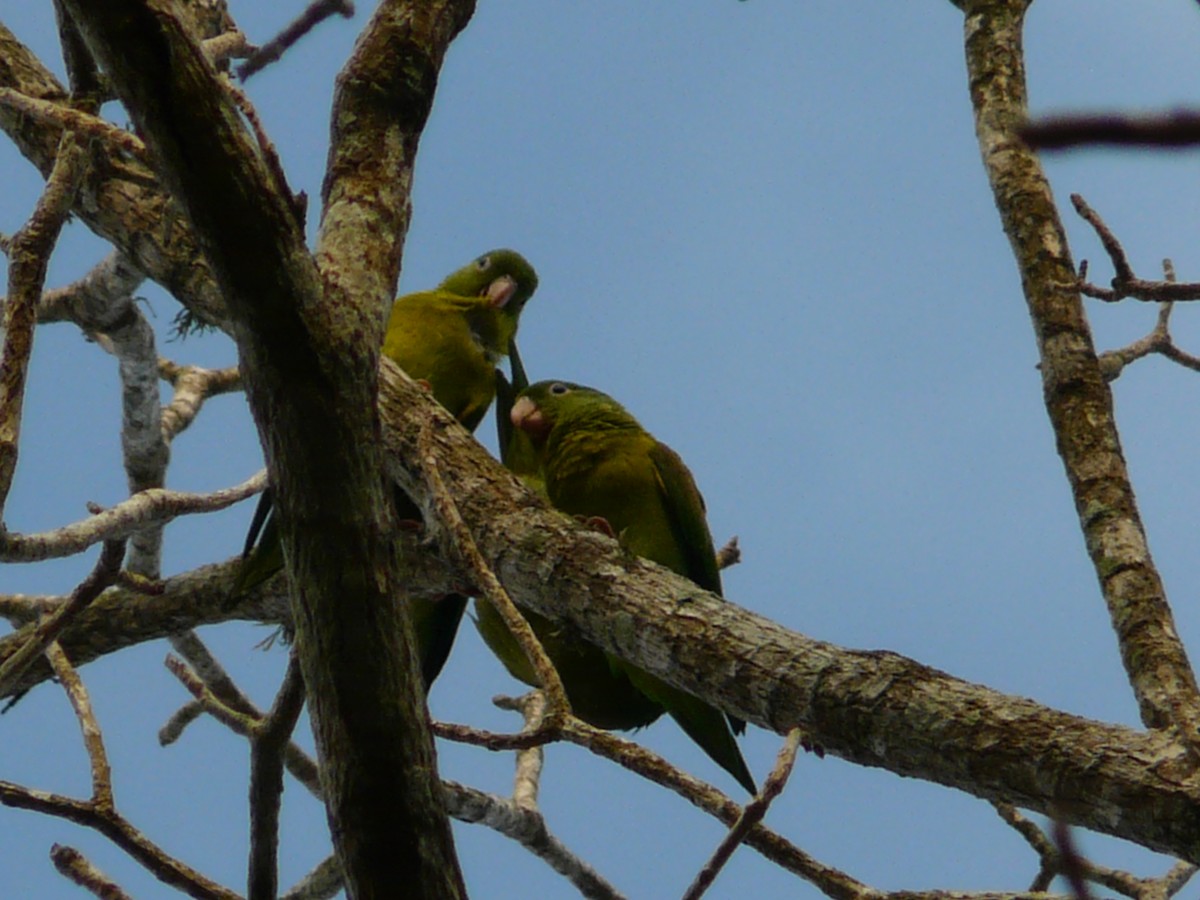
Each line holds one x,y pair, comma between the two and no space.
120,199
309,343
1077,396
870,707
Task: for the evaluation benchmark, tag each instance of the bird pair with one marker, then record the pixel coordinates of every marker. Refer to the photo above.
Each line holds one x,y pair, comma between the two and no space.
587,455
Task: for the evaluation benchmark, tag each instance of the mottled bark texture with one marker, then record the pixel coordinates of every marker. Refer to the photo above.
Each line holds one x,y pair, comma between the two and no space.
1077,396
870,707
119,199
308,339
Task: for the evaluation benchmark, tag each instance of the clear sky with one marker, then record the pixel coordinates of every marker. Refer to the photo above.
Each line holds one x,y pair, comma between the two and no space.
764,227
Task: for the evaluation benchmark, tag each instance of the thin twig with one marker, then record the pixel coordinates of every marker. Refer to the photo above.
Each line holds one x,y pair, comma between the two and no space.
267,752
102,575
1072,863
730,554
1125,283
82,123
528,774
155,506
1052,863
752,814
1180,128
165,868
29,255
1159,340
298,203
100,811
93,740
193,386
273,49
301,766
528,828
493,591
705,797
73,865
323,882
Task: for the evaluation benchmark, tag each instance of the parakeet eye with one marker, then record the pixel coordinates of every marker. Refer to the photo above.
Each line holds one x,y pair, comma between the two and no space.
559,388
483,262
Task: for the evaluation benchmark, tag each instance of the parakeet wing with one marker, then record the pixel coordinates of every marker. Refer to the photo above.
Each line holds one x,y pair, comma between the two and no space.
685,509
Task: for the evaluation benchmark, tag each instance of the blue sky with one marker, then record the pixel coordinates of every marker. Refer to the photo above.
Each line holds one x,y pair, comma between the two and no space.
764,227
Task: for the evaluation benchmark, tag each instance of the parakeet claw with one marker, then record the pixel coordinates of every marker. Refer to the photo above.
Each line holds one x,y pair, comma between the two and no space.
598,523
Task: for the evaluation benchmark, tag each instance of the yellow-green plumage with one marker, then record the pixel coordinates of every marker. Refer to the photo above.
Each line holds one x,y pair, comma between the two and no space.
595,460
451,338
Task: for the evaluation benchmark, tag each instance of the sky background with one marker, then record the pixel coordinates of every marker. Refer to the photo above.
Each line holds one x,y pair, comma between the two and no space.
764,227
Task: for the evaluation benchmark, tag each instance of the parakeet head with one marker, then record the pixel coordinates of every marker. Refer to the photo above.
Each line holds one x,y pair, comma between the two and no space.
547,405
505,277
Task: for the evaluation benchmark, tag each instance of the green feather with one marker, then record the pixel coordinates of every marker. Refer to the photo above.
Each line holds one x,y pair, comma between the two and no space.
451,338
596,461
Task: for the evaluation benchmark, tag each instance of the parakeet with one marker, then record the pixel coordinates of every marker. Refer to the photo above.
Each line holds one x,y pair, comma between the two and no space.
594,460
450,338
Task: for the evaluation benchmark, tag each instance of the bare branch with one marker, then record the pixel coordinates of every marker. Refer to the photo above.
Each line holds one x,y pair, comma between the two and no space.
143,444
74,865
1180,128
242,718
493,592
1125,283
104,574
528,828
730,554
93,741
755,669
193,385
268,749
1071,862
156,506
323,882
113,826
1077,397
83,124
121,199
316,12
228,45
100,811
1159,341
529,761
96,302
29,255
751,815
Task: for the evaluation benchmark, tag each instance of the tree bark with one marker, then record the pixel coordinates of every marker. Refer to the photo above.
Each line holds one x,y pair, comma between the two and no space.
308,340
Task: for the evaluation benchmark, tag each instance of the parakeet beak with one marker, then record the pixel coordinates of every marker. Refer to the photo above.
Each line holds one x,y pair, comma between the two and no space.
500,291
526,416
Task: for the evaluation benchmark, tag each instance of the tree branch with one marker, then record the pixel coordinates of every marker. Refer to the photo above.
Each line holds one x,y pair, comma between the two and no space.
29,256
870,707
1077,396
309,343
120,198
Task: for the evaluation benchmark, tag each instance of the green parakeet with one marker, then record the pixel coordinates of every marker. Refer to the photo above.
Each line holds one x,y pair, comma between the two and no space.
451,338
595,460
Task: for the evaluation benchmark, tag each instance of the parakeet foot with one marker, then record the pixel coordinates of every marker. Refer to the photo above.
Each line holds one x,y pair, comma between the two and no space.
597,523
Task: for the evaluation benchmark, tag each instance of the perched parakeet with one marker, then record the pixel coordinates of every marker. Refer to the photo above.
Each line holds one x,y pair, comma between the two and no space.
450,338
594,460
